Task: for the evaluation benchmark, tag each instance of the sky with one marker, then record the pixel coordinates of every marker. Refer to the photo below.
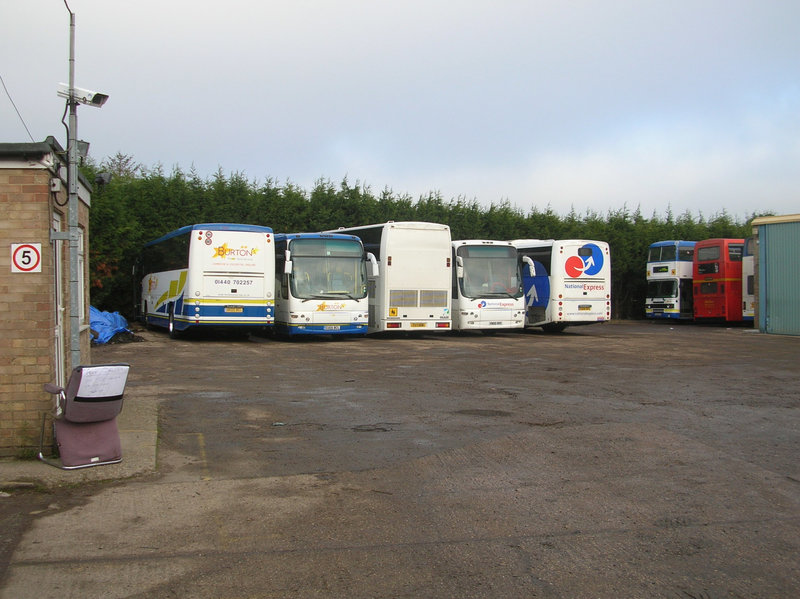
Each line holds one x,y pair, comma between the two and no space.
592,106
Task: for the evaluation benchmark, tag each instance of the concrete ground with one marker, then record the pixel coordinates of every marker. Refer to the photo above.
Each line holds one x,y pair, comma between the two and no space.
625,459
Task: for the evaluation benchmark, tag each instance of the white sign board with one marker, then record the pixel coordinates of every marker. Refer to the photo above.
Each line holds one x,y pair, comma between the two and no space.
26,257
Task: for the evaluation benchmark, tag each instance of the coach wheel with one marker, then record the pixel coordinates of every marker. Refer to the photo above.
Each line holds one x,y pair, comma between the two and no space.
147,324
173,332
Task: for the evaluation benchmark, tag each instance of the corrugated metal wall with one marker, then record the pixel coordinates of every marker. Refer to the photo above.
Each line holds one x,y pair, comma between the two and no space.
779,278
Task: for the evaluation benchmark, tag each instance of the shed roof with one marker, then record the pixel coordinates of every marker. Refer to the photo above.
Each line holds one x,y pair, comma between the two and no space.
27,151
771,220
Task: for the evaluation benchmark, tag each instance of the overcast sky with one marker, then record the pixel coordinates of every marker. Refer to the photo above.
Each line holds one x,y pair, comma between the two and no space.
593,105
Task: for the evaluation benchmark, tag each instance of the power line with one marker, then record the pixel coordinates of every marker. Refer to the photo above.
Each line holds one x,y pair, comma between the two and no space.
10,99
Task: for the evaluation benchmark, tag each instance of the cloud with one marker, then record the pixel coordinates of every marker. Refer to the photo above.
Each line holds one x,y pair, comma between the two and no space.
587,104
742,164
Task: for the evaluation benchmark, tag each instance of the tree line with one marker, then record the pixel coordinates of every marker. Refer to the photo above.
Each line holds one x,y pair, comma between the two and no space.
139,204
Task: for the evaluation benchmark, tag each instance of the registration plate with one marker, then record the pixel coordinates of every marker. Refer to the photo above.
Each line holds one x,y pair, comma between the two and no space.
234,309
418,325
584,307
333,327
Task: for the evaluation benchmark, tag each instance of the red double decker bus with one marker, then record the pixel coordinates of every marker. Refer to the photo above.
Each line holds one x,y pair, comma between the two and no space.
717,274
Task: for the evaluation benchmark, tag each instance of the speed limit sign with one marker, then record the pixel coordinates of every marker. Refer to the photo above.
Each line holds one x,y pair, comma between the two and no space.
26,257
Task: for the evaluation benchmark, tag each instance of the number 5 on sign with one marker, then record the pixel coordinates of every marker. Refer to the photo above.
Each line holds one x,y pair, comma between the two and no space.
26,257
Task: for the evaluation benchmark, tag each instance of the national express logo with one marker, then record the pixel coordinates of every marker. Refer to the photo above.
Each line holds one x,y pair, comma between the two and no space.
589,261
224,251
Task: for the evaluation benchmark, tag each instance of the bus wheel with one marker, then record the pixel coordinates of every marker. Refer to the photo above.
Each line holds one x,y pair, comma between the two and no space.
173,332
147,324
554,327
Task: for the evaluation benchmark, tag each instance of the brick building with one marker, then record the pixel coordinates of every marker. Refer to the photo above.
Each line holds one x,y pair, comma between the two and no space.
35,286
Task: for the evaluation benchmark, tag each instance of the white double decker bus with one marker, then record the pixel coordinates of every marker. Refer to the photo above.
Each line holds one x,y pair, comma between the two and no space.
217,274
669,280
487,286
749,280
321,284
409,286
567,282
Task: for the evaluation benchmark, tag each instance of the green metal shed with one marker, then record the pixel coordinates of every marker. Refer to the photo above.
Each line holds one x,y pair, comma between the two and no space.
778,274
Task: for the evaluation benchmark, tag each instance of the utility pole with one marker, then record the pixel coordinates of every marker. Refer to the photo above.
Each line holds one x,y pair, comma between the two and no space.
74,97
72,210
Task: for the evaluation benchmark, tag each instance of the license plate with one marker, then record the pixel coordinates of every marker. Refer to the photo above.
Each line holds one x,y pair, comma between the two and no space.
496,324
584,307
417,325
333,327
234,309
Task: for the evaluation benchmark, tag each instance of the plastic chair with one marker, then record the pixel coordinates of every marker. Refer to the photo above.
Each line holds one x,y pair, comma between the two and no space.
85,417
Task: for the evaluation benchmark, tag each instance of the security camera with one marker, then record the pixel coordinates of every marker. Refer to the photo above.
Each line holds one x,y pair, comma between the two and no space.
84,96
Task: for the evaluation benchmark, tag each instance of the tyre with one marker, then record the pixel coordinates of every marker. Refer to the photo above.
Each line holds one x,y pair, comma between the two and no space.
173,332
146,321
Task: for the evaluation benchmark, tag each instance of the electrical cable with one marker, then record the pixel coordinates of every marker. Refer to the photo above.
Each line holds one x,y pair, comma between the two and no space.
63,116
10,99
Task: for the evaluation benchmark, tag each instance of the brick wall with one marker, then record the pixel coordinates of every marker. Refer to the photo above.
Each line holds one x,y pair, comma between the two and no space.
27,305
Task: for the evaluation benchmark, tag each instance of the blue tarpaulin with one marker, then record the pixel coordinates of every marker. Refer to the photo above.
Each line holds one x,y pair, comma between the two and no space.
105,325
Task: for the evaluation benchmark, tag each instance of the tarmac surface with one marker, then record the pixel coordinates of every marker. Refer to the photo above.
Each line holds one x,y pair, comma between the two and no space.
630,459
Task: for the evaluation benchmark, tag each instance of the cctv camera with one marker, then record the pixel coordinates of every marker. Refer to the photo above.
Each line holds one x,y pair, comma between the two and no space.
84,96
